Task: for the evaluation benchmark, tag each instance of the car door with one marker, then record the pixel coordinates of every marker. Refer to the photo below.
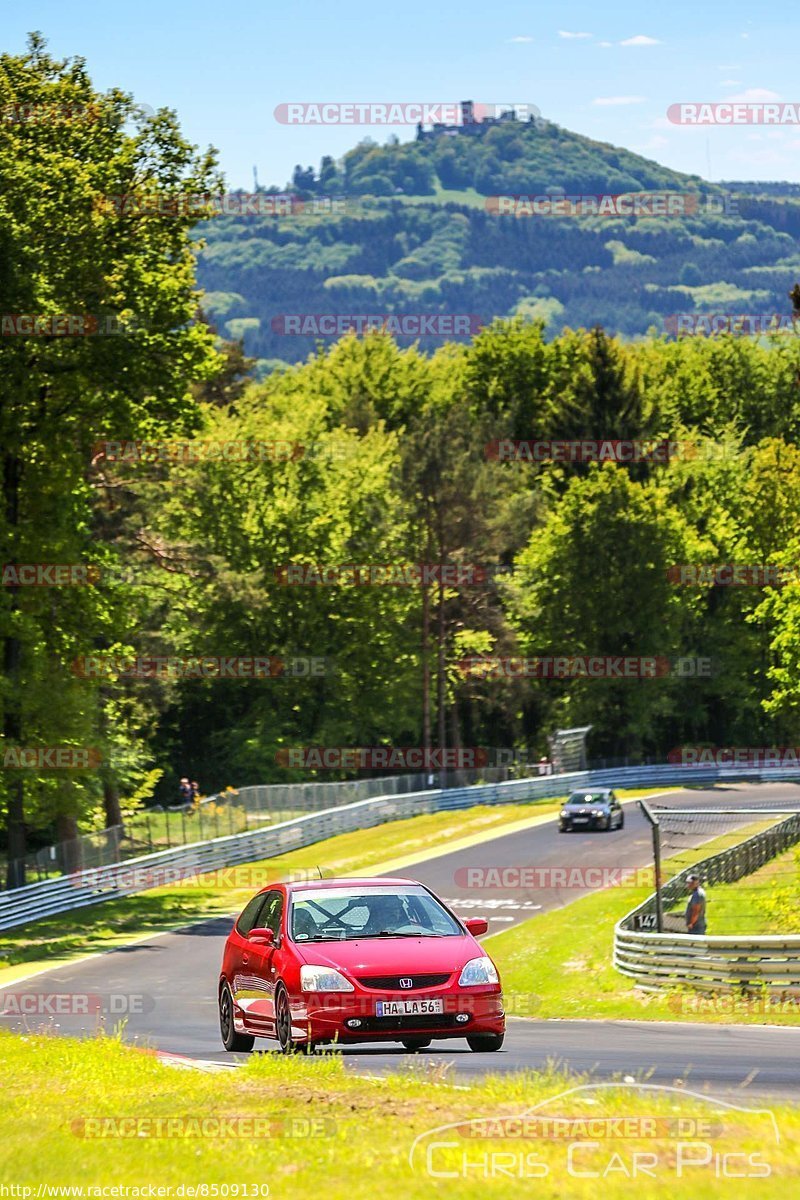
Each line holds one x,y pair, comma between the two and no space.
237,946
260,968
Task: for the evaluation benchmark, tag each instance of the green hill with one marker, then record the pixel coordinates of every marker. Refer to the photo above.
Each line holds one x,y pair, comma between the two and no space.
414,227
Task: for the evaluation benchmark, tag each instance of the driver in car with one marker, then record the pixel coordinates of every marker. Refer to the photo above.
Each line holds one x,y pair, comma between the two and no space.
387,913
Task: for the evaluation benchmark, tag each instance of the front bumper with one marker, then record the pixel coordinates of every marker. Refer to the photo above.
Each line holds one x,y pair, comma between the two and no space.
352,1017
592,823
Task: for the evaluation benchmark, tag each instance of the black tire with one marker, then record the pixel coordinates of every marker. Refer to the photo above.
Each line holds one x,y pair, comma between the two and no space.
283,1026
231,1040
485,1042
621,821
562,829
609,825
417,1043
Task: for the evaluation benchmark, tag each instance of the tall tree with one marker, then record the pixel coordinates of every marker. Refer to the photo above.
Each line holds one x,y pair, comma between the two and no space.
97,299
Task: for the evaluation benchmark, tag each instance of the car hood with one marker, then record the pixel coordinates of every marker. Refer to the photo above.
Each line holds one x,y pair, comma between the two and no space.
397,956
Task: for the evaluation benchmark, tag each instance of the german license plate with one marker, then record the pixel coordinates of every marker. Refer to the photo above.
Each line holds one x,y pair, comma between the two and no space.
407,1008
580,820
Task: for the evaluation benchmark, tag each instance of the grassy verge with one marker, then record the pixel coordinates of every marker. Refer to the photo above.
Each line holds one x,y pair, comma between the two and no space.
768,901
95,1113
115,922
545,960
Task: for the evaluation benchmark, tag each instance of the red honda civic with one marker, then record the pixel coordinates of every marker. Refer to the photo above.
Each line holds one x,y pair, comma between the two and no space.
356,960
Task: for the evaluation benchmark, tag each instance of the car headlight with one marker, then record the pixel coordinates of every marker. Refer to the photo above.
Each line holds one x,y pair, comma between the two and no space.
564,813
477,971
323,979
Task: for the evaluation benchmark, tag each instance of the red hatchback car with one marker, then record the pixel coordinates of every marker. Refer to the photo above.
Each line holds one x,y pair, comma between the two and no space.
356,960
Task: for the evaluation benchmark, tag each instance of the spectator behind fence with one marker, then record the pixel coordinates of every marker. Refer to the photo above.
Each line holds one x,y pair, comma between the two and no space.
185,791
696,908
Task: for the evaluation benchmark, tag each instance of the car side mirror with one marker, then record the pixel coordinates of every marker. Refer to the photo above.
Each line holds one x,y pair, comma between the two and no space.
476,925
261,937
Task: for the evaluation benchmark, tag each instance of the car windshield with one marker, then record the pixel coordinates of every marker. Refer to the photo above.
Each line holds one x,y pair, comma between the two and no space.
343,914
588,798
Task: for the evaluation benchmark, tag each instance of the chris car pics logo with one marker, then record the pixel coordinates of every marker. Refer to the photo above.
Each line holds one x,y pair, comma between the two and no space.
661,1133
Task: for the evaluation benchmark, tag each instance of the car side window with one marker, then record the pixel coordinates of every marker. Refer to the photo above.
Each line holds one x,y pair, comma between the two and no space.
247,920
270,915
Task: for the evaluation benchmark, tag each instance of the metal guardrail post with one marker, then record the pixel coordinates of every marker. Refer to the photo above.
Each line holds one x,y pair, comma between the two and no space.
655,827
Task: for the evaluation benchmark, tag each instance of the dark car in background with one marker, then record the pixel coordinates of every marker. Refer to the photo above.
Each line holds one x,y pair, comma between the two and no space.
597,808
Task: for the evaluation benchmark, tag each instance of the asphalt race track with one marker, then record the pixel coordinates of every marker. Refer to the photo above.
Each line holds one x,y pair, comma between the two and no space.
165,987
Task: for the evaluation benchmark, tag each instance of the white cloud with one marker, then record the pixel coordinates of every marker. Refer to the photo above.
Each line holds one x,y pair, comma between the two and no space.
564,33
523,38
604,44
754,94
730,82
609,101
641,39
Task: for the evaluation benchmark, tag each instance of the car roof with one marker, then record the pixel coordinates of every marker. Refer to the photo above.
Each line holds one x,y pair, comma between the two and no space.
592,791
356,881
298,885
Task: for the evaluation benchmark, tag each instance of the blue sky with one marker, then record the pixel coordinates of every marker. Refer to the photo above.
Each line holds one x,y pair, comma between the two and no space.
225,67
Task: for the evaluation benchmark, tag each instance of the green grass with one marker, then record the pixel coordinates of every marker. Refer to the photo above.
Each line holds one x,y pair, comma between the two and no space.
326,1132
544,962
115,922
766,902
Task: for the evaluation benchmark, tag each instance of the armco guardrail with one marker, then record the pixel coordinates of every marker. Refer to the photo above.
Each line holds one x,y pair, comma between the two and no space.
234,811
658,960
83,888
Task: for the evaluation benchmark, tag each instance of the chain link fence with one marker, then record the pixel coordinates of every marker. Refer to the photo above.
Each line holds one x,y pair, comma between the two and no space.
234,811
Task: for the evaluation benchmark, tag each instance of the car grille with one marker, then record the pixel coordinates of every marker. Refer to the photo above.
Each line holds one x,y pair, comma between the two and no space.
428,1021
391,983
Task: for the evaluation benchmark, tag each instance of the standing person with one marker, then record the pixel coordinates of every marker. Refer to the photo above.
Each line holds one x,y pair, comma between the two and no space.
696,908
195,792
185,790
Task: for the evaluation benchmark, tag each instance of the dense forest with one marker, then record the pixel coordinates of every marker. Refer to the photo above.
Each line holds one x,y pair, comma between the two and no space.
415,227
179,495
